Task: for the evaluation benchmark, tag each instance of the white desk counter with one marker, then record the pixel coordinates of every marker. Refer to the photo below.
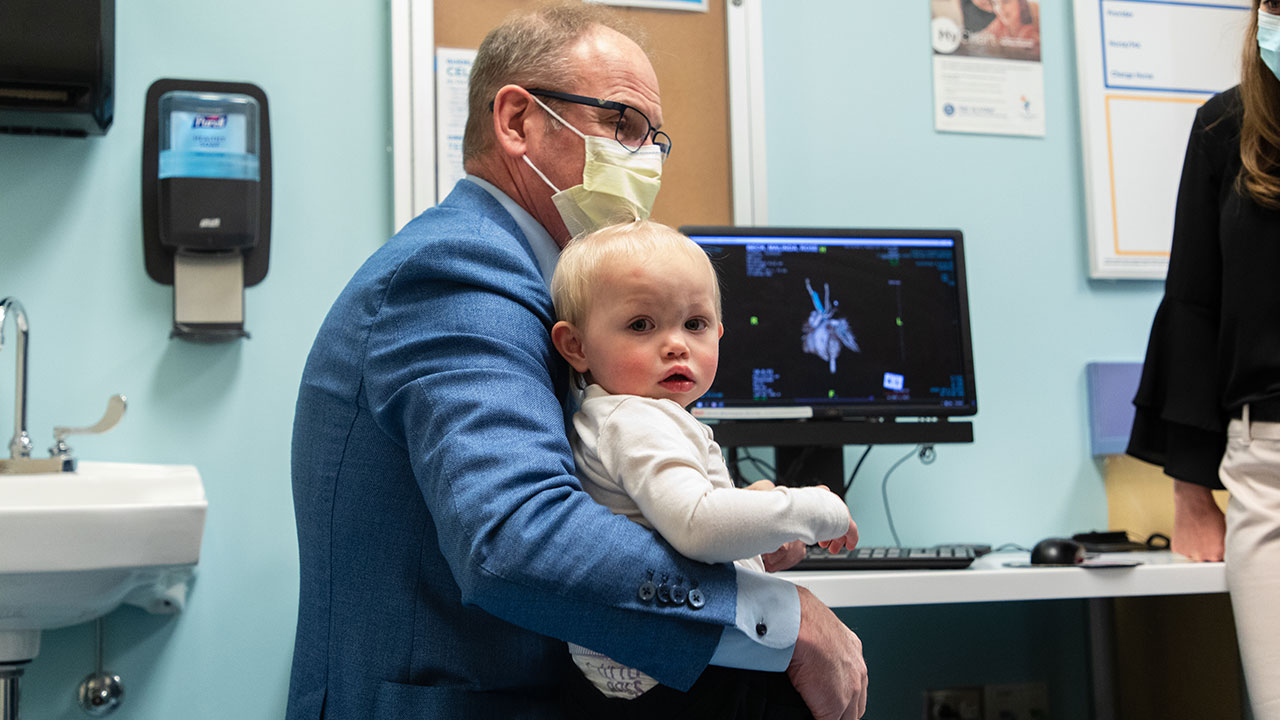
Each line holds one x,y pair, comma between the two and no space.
988,580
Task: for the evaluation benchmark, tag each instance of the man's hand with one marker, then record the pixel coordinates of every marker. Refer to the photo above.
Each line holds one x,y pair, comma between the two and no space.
1198,524
846,541
785,557
827,668
761,485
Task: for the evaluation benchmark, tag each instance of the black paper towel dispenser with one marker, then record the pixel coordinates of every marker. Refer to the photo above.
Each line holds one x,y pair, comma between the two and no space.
57,66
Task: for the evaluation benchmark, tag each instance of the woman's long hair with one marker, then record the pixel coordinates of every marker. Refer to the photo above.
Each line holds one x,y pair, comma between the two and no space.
1260,130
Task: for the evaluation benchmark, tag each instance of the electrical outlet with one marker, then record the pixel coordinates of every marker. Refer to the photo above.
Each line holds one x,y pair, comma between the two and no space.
1025,701
960,703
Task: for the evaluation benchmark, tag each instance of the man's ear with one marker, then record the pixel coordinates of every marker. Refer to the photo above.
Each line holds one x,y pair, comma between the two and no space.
511,111
567,339
721,330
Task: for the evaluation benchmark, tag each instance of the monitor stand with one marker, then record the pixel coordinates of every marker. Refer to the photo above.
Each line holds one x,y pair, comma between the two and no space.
810,465
811,452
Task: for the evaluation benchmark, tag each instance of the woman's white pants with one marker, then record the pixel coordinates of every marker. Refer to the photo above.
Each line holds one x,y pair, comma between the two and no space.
1250,471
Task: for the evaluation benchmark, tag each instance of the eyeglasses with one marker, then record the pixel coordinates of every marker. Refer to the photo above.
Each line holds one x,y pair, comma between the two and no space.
632,130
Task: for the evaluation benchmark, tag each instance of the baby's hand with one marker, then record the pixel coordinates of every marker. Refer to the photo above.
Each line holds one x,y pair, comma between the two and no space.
760,485
847,541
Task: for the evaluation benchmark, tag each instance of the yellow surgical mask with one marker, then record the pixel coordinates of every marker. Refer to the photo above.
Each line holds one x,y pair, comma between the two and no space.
617,185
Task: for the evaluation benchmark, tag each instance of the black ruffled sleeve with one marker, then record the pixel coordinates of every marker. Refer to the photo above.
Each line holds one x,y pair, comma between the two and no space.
1179,421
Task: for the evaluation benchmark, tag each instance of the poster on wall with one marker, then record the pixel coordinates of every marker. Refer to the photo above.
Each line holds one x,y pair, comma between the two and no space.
453,69
1144,70
987,76
691,5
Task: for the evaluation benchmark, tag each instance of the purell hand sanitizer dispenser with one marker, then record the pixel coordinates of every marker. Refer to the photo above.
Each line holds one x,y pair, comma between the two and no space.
206,200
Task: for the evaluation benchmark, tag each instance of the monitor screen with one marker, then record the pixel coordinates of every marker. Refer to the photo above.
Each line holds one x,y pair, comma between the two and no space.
843,323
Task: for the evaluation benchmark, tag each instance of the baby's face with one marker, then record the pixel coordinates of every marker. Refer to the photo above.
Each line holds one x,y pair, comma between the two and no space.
652,331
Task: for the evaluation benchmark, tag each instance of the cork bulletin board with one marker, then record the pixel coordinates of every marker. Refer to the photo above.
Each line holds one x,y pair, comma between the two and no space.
689,53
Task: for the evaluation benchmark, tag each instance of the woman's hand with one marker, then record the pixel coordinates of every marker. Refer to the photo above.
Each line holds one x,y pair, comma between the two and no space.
1198,524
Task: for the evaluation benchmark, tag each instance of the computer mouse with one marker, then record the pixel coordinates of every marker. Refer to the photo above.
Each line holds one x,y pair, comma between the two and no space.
1057,551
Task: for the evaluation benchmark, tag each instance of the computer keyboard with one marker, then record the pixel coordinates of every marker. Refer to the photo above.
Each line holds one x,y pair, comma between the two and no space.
941,557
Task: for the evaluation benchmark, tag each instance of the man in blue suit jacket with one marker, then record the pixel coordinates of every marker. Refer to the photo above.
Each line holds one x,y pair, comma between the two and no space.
446,547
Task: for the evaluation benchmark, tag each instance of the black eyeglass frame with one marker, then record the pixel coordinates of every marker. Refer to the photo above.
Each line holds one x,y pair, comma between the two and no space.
619,107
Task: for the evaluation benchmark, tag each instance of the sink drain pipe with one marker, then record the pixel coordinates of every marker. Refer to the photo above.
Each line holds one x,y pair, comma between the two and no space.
9,675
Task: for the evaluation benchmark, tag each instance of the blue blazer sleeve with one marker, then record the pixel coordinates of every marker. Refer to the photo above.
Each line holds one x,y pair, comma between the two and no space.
460,370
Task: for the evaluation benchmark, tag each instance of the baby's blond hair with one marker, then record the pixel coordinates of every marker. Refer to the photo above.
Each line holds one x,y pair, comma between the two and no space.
587,257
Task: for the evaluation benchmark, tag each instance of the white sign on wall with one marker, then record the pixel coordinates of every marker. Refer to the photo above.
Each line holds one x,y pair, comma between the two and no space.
453,69
1144,67
987,76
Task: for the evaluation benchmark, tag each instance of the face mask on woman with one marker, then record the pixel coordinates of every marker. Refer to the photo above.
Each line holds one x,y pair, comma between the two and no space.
617,185
1269,40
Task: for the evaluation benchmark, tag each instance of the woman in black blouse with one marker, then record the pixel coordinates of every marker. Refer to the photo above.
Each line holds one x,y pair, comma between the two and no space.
1208,406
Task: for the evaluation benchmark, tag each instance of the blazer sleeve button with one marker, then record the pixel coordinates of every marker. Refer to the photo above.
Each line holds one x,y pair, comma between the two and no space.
664,594
696,600
678,595
647,591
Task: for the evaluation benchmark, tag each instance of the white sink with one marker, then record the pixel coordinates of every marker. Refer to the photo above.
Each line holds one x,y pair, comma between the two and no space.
75,546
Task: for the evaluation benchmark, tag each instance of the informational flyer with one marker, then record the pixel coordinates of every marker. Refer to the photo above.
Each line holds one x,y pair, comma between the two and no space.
987,76
453,69
693,5
1144,70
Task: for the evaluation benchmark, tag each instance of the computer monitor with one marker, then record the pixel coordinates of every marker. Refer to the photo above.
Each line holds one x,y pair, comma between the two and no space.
866,328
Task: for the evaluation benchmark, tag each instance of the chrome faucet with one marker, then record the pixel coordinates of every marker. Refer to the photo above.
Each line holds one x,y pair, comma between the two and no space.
59,460
20,445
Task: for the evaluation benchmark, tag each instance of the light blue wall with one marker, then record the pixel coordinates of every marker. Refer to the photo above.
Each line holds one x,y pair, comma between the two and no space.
850,143
849,118
71,250
849,122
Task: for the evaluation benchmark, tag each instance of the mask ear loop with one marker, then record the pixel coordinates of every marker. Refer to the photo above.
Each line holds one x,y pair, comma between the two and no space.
555,115
544,177
562,121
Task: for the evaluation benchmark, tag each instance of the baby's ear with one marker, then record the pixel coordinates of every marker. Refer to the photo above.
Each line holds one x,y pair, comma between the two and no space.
568,341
